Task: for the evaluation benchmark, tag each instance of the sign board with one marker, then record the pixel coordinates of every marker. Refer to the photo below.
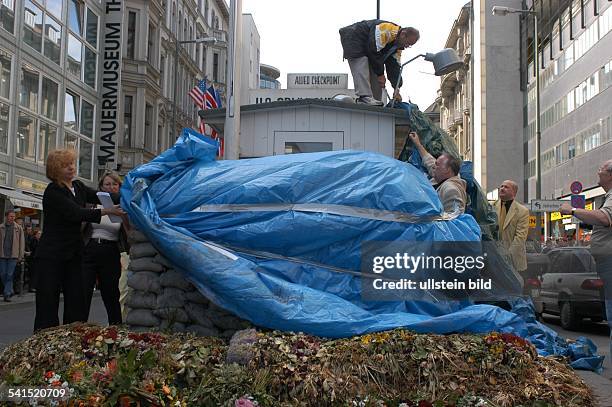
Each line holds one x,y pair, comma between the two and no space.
557,216
110,83
589,206
543,205
578,201
317,81
257,96
576,187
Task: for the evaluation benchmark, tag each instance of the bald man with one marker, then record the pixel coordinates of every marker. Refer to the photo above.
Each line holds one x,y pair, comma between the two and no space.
513,224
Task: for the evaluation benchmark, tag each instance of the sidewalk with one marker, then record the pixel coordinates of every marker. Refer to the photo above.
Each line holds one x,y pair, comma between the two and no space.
18,301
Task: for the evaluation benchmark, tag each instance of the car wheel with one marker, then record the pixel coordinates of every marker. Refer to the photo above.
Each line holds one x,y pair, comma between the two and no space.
569,319
539,316
596,320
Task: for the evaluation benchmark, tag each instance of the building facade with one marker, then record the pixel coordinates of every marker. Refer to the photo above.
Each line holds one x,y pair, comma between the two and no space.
50,90
250,58
481,104
575,98
268,77
455,95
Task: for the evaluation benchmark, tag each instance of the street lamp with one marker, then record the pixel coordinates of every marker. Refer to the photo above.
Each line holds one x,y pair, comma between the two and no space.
207,40
445,61
504,11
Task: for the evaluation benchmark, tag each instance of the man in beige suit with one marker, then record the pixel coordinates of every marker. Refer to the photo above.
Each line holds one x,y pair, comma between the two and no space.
513,224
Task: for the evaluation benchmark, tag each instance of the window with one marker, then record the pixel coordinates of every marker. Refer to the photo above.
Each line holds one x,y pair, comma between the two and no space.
53,40
26,137
71,111
29,89
89,73
49,99
162,70
32,25
70,141
47,141
7,15
131,35
174,17
55,7
216,67
151,44
85,159
148,130
87,119
74,56
4,126
5,74
75,16
127,121
91,34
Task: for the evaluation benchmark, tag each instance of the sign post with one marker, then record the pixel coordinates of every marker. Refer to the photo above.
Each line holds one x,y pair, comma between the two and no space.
110,108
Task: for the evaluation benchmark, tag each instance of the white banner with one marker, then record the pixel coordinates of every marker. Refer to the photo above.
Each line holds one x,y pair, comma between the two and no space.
317,81
110,83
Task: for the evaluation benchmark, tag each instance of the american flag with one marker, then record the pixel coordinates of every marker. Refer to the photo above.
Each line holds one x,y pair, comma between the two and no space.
198,94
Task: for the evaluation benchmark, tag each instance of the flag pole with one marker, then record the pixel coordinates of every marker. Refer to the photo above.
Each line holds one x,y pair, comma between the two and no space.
231,132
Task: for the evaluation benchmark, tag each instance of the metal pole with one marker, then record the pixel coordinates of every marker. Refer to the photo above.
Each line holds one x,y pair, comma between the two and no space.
176,66
231,131
378,9
537,124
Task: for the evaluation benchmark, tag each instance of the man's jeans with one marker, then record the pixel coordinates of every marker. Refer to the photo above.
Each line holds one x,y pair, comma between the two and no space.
604,269
7,271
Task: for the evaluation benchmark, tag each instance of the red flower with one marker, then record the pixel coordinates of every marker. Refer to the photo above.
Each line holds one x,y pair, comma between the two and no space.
49,374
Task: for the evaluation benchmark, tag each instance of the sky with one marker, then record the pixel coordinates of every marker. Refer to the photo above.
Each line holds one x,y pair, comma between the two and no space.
301,36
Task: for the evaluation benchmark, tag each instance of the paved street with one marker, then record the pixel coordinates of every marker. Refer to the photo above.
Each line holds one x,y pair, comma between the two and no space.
17,317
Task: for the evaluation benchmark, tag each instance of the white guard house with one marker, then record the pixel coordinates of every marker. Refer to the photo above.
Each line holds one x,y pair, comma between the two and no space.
312,125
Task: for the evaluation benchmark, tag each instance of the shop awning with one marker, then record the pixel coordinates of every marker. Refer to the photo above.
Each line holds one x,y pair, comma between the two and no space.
21,199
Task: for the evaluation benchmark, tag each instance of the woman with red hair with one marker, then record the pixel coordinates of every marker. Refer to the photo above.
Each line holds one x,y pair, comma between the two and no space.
59,252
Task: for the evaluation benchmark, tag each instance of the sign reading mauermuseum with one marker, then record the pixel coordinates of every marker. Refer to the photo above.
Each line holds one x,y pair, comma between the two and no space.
110,108
317,81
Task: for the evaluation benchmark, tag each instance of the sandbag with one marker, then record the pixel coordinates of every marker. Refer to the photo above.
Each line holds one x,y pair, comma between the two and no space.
145,264
136,236
171,297
196,297
142,317
173,278
144,281
174,326
198,314
172,314
159,259
139,250
141,299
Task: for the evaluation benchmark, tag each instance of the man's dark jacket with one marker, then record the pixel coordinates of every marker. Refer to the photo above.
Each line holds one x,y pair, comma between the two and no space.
359,40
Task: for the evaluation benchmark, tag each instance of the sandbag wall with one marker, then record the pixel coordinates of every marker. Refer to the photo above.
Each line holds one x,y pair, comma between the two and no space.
160,298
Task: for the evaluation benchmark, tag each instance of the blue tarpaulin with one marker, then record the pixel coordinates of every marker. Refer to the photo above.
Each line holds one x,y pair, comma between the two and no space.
276,240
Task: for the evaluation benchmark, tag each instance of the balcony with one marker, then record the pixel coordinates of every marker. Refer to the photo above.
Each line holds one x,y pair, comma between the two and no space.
220,35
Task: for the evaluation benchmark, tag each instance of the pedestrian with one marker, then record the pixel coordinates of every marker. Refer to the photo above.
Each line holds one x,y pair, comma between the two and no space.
444,172
102,256
30,259
59,253
12,249
601,238
370,47
513,224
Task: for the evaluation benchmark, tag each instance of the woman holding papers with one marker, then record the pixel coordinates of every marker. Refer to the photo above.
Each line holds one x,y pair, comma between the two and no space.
102,258
59,254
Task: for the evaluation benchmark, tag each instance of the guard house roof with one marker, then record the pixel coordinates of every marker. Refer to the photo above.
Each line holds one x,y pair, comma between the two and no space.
216,117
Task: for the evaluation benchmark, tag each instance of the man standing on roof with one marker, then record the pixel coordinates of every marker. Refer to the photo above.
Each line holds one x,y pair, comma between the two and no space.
370,47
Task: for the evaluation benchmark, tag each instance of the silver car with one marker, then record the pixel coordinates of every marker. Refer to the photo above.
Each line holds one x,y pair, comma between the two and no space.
569,287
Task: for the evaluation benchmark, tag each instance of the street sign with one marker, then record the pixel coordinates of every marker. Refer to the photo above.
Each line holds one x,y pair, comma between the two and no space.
578,201
545,205
576,187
